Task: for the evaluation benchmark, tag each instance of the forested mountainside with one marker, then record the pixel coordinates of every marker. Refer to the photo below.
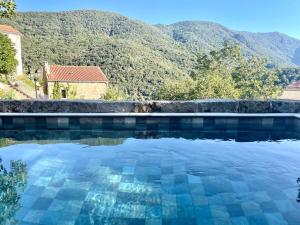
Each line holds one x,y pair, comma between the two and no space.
278,48
136,56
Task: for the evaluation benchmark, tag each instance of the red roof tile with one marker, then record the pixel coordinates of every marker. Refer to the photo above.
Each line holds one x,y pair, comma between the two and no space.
8,29
76,74
294,85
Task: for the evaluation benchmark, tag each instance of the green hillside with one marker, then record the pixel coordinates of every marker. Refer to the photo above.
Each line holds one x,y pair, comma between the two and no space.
135,55
278,48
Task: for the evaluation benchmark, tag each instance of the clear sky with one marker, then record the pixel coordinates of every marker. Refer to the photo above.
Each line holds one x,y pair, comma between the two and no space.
246,15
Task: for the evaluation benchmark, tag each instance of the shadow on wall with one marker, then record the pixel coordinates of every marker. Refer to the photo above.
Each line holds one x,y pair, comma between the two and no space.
296,58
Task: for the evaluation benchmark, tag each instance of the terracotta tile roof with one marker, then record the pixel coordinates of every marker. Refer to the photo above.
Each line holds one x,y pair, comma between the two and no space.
76,74
8,29
294,85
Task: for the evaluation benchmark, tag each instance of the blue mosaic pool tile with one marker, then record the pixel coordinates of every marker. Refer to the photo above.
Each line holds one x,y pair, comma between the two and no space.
51,217
203,212
222,221
267,123
239,221
28,200
199,200
63,123
240,187
153,211
268,207
7,123
184,199
153,222
164,123
42,203
251,208
219,211
58,205
250,123
226,123
34,190
275,219
186,123
168,200
71,194
34,216
18,122
208,123
169,211
205,221
257,219
261,196
21,213
284,205
235,210
130,122
186,211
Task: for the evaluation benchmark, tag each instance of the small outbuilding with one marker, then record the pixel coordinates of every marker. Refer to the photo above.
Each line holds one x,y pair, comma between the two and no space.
74,82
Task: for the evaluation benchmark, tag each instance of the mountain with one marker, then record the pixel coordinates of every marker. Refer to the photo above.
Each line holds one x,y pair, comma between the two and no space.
136,56
278,48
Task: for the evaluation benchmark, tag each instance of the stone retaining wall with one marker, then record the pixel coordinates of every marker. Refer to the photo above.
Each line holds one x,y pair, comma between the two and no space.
218,106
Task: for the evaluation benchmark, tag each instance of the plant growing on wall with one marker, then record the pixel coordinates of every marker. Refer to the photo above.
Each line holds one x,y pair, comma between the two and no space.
71,91
56,91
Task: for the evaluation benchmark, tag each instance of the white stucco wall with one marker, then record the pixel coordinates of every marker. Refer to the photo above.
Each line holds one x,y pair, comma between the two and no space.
16,40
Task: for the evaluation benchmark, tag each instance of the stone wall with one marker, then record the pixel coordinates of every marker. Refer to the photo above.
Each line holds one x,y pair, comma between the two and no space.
83,90
217,106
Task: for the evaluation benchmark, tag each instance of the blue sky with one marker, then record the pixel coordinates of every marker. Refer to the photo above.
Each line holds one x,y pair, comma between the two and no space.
246,15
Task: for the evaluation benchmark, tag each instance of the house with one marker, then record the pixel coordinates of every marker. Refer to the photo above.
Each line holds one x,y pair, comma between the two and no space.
292,91
74,82
15,37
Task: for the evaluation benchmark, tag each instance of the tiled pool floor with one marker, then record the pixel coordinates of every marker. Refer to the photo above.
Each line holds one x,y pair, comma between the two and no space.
154,182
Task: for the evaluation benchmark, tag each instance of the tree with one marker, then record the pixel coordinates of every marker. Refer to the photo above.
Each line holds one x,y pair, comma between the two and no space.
113,93
175,90
256,81
8,62
226,73
7,8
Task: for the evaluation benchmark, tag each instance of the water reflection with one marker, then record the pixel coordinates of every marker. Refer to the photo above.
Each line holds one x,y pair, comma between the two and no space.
12,183
98,138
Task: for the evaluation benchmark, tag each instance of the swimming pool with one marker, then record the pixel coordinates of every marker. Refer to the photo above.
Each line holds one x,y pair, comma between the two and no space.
186,177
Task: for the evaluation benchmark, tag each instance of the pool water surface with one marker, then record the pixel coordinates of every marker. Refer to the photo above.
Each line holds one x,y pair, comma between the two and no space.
150,181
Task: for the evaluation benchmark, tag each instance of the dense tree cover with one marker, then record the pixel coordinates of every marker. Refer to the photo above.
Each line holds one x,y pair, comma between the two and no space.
279,48
114,94
7,8
8,62
136,57
226,73
288,75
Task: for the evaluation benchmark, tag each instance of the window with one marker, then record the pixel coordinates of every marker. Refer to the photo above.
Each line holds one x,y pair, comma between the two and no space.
63,93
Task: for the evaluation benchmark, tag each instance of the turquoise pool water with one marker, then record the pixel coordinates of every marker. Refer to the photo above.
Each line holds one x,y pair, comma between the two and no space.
166,181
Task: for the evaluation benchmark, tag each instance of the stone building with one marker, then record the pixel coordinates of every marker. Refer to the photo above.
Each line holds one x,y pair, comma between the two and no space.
15,37
74,82
292,91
